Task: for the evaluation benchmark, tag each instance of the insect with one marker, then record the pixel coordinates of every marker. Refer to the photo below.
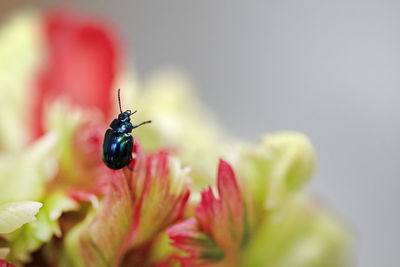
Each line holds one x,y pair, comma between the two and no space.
118,143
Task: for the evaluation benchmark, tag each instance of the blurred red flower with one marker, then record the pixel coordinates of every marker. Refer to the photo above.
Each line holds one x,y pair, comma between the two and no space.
4,263
81,62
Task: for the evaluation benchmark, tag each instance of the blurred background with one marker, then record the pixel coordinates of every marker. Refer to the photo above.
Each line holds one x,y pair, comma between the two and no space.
329,69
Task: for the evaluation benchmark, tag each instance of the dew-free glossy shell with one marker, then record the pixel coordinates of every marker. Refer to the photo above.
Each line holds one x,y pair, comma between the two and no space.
117,149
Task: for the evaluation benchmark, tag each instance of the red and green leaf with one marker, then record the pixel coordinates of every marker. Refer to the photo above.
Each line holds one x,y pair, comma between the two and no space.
217,232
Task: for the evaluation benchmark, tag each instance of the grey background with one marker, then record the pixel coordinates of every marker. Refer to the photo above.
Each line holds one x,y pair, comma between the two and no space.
329,69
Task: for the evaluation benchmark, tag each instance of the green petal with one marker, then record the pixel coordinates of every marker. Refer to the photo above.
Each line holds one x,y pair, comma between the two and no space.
294,158
299,235
31,236
15,214
63,120
98,240
20,52
273,170
23,175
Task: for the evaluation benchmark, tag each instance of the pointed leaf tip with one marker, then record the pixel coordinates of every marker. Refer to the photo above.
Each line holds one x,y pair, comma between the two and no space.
226,178
228,188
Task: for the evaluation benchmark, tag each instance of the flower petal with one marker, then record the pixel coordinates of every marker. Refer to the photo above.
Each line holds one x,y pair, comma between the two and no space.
81,64
98,240
23,176
20,52
273,171
141,202
4,263
201,248
13,215
217,232
223,218
31,236
301,235
160,191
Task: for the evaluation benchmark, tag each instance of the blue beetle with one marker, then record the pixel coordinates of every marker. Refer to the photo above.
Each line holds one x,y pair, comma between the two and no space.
118,143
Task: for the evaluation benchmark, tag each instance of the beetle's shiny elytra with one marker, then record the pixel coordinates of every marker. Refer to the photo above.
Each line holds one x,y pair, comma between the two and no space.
118,143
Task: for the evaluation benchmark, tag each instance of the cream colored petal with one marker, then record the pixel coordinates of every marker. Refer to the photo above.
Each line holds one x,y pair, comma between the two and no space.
13,215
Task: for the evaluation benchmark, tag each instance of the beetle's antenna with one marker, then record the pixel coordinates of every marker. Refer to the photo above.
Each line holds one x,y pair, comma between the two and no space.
119,101
133,113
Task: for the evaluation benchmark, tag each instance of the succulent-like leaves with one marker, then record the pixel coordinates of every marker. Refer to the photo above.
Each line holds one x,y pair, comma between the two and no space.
132,209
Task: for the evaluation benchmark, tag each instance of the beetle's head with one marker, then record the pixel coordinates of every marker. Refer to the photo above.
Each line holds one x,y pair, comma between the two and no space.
125,116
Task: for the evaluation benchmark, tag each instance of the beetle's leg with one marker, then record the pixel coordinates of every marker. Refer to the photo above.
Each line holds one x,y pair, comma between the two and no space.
131,113
129,164
135,126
